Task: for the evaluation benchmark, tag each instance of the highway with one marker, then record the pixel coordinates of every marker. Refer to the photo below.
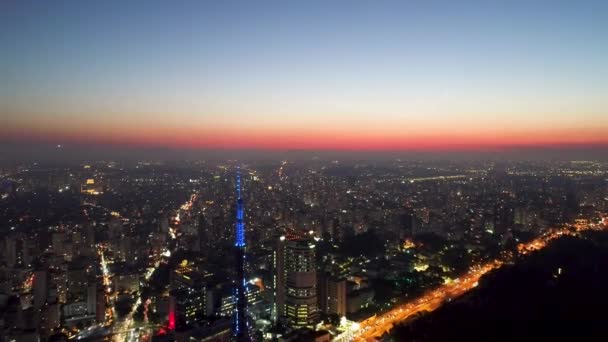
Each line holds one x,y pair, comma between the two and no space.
374,327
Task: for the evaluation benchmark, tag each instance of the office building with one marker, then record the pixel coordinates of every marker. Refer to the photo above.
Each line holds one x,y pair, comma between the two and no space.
296,292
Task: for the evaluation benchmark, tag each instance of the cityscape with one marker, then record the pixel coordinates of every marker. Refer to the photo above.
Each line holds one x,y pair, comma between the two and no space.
303,171
138,251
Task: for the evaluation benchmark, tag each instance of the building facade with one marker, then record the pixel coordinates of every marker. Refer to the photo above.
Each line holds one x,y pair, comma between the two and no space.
296,285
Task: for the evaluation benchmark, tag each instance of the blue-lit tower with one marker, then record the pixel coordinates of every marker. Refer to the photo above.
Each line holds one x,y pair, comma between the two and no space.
240,326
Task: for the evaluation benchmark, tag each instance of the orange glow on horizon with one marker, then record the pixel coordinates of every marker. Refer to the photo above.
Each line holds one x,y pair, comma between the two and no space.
300,139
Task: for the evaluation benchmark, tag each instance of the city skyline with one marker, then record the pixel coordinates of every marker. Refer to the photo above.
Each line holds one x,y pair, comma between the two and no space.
153,250
338,171
275,76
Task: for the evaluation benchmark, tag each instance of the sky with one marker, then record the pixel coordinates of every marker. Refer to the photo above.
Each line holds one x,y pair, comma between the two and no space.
305,75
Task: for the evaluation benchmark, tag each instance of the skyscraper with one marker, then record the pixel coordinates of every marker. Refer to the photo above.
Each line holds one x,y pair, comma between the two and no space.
336,296
296,292
240,318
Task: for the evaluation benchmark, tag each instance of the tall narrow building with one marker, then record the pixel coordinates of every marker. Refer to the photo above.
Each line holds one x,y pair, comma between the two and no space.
240,327
296,281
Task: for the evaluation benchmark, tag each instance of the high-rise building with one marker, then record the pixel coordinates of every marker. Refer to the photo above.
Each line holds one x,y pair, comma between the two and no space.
332,294
58,239
100,306
40,288
336,296
50,319
296,281
10,250
89,236
81,302
92,299
226,304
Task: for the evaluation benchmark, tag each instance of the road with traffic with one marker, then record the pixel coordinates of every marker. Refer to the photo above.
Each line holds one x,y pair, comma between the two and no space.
374,327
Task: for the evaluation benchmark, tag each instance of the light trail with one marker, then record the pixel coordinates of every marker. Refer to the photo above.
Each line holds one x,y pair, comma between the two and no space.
126,330
422,179
107,283
182,212
377,325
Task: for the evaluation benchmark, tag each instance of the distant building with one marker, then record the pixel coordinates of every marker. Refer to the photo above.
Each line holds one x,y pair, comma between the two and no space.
58,240
59,283
50,319
100,306
81,301
41,290
10,250
91,187
126,282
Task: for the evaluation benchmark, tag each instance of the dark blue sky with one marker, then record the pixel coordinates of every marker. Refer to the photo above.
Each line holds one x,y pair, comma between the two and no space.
373,68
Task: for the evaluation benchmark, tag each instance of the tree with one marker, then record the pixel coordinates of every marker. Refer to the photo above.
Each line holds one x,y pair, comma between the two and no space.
383,290
123,306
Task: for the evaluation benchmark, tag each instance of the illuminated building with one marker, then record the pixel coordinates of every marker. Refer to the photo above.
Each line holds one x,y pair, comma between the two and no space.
59,282
190,292
255,305
50,319
91,187
190,304
296,297
81,310
126,280
58,241
253,299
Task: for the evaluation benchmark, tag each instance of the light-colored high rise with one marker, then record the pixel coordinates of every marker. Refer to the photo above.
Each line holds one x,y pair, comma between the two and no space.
296,285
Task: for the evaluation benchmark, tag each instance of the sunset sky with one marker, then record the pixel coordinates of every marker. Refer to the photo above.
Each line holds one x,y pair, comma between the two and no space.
335,75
